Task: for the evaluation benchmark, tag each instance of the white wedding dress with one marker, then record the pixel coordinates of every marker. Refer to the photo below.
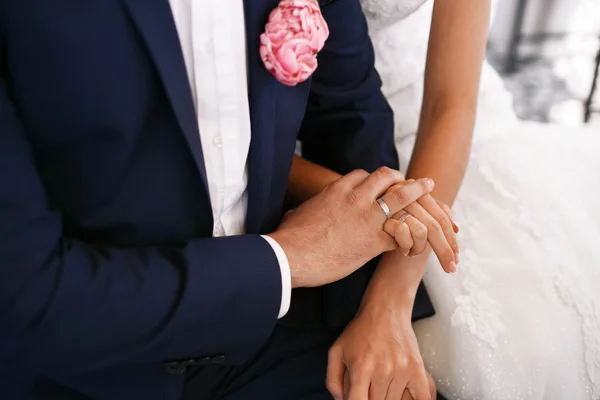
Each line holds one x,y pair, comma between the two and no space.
521,318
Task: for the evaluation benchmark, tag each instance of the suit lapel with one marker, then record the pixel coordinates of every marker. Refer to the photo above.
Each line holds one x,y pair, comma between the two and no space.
155,23
262,88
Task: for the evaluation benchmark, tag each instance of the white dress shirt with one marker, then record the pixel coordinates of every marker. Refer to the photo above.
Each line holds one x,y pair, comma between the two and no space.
213,41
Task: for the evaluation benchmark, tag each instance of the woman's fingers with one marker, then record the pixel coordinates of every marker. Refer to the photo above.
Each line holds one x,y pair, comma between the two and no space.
443,219
418,232
448,212
419,387
359,385
429,216
336,370
397,391
402,233
379,387
436,237
432,387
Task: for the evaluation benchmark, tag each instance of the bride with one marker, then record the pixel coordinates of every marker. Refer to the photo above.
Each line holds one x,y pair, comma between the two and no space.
521,317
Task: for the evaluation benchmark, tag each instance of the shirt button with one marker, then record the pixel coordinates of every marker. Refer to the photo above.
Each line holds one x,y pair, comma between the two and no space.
217,141
219,231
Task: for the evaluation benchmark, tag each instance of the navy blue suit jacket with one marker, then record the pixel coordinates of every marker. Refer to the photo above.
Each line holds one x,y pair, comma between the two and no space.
107,265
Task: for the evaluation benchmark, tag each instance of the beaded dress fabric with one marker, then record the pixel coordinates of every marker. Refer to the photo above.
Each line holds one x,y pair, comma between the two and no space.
521,318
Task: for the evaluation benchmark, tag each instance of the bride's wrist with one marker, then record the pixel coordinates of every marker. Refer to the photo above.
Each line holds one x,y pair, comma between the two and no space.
400,305
395,282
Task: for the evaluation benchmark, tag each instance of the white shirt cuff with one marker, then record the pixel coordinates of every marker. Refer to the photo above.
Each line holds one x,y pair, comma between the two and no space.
286,277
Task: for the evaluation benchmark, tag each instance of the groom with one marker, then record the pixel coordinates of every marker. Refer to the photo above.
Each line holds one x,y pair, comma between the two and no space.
144,150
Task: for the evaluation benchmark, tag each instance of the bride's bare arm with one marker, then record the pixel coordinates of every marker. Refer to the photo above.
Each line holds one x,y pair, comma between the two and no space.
455,55
306,179
456,51
454,59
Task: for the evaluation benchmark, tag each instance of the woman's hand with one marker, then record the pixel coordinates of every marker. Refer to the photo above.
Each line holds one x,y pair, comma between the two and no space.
377,358
426,220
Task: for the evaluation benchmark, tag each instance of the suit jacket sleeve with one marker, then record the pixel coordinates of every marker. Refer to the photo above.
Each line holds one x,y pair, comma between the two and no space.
348,123
67,307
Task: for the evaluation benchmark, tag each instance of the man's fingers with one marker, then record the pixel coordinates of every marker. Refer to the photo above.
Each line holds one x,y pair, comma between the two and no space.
335,373
379,181
352,179
398,199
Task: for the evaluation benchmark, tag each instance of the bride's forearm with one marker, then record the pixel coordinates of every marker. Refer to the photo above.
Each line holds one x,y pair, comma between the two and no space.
395,282
307,179
441,152
454,60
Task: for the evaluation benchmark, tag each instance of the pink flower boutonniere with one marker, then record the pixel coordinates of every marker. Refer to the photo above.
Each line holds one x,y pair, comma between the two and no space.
294,34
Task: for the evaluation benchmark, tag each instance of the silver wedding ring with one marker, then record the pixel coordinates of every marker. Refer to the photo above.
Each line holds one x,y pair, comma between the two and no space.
404,217
384,208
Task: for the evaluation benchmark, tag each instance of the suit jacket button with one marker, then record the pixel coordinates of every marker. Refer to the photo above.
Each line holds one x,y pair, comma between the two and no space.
218,359
175,368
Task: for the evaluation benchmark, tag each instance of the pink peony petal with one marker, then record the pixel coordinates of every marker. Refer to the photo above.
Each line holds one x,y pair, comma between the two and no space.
294,34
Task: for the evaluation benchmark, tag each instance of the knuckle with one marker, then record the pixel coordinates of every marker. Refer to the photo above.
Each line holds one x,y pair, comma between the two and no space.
419,232
415,361
446,208
403,228
333,352
339,185
402,361
395,187
363,367
400,195
449,255
361,173
333,387
442,218
389,226
434,227
384,171
386,368
352,197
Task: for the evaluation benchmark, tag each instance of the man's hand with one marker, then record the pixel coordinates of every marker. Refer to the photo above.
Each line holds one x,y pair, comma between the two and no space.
377,358
340,229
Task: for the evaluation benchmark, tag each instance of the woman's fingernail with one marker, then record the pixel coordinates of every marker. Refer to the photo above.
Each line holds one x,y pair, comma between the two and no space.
452,267
430,184
456,227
